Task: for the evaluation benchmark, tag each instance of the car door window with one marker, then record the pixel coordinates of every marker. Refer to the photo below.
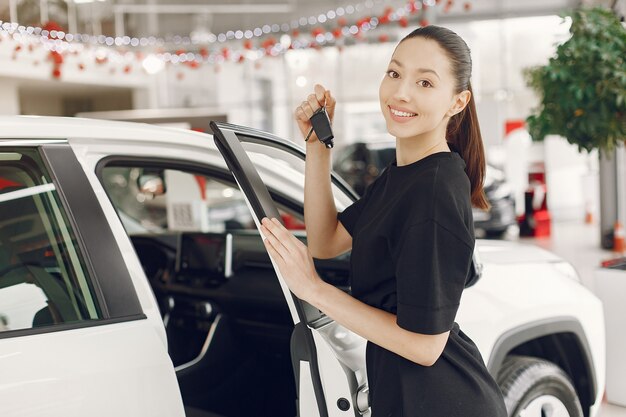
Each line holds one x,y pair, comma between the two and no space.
160,199
43,277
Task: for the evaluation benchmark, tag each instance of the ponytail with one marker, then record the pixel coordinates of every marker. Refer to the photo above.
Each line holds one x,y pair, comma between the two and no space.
463,132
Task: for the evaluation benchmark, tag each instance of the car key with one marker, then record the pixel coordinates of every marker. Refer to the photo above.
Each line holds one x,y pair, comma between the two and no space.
320,123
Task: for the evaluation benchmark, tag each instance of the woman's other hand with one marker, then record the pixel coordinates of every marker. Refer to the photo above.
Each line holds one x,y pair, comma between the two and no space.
293,259
320,97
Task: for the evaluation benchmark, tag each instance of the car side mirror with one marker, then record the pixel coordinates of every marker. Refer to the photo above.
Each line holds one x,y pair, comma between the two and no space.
151,184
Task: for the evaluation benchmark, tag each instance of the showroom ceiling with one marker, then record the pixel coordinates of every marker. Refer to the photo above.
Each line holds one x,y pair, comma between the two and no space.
173,17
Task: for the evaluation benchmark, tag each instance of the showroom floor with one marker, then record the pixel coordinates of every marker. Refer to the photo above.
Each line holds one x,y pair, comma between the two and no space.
578,243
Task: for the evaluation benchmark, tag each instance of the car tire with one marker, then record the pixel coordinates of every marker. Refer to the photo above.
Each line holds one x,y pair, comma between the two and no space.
535,387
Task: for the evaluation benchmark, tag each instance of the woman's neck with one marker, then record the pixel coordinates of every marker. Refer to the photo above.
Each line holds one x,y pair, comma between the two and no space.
409,150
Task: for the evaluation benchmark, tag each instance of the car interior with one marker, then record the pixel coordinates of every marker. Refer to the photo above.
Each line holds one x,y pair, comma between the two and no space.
227,321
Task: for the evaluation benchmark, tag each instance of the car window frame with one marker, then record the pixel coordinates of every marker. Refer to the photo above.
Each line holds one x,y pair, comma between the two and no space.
111,284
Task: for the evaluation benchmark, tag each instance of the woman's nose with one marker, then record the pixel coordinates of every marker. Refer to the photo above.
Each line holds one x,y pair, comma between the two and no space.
402,91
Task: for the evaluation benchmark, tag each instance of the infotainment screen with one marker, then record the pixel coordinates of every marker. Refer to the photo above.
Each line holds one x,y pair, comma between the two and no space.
202,254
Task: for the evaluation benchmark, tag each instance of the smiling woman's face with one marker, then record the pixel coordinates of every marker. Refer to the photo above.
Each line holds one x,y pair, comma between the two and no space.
418,88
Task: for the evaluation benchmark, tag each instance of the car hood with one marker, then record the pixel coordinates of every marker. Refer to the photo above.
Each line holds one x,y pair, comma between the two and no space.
504,252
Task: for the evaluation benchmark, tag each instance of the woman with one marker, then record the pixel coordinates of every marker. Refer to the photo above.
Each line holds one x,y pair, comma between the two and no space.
411,235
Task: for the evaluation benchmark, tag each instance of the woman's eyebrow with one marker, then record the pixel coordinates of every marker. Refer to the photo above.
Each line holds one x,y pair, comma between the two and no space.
398,63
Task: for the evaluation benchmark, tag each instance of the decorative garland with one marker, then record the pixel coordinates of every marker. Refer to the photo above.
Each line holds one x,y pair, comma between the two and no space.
332,28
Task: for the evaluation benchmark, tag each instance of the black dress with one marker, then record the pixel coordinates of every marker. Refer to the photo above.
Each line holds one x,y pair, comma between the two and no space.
412,245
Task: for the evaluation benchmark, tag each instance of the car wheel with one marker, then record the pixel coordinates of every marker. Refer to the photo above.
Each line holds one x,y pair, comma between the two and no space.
535,387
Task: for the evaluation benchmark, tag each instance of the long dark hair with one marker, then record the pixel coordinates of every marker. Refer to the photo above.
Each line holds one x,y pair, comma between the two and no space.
463,130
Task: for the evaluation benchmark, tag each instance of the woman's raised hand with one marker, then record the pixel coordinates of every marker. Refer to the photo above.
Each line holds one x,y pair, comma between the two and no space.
320,97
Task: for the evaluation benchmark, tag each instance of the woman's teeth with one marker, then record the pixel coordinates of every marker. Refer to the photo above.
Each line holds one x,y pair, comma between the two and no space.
402,113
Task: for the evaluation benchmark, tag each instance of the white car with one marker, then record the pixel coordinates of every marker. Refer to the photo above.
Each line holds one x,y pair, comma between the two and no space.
134,282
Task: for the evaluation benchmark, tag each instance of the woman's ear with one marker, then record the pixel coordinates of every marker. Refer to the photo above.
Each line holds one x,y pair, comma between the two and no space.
460,100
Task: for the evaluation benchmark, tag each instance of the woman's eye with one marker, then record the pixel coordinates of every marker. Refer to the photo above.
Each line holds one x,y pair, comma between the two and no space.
393,74
425,83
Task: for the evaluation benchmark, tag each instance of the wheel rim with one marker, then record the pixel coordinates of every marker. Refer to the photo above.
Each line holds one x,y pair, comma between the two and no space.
545,406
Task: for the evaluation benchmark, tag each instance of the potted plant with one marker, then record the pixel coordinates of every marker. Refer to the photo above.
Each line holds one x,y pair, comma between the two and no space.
583,87
582,93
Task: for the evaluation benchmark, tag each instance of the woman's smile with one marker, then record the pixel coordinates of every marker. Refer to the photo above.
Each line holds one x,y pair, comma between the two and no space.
400,115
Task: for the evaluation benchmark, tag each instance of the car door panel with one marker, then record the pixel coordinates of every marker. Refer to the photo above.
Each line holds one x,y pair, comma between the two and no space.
335,370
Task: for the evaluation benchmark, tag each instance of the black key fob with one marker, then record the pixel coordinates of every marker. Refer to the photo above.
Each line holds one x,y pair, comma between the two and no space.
321,126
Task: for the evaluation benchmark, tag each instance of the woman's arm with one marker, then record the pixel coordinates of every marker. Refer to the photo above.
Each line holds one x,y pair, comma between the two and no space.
377,326
326,237
296,266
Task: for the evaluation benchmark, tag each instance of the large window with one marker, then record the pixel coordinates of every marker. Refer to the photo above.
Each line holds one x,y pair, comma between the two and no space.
43,279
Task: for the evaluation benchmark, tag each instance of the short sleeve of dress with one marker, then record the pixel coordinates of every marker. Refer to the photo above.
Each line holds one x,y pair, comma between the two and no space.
349,216
431,270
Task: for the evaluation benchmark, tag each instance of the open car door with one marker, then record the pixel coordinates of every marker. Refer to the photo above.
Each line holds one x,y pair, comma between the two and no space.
328,359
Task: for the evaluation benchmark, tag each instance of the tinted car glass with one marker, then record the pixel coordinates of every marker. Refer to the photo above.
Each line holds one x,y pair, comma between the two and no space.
43,278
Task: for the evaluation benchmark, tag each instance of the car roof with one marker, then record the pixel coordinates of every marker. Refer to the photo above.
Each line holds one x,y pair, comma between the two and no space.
53,127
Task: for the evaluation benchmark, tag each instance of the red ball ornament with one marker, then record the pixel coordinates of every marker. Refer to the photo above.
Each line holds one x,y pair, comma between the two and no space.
383,38
317,31
467,6
337,33
180,52
241,59
403,21
56,57
203,52
52,25
424,22
56,73
383,20
81,66
127,69
193,64
295,33
225,52
247,44
18,48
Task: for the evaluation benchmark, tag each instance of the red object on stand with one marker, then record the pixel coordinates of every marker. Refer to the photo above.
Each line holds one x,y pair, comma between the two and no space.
536,220
511,125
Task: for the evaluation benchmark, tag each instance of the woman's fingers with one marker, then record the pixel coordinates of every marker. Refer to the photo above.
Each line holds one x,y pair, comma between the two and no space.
330,104
320,94
308,109
285,238
275,243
